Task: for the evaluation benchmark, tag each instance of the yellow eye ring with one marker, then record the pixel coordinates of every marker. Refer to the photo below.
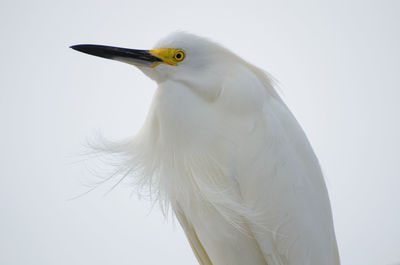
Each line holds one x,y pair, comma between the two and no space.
179,56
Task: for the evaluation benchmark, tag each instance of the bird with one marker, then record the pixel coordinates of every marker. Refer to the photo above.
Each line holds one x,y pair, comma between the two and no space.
221,150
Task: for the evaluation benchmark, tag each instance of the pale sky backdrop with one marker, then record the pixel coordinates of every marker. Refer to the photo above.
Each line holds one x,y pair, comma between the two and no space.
338,64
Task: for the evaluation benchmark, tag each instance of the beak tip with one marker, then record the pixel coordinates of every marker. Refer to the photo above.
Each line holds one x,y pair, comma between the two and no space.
78,47
91,49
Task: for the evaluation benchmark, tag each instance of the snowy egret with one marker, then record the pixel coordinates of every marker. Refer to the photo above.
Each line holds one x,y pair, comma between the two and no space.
221,148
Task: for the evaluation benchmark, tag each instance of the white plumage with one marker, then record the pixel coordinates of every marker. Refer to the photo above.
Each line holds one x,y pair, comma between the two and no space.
222,149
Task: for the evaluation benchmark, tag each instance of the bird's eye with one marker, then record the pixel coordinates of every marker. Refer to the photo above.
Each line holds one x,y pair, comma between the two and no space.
179,55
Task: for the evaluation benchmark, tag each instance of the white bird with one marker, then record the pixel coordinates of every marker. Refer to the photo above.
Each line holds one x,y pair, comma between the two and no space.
221,148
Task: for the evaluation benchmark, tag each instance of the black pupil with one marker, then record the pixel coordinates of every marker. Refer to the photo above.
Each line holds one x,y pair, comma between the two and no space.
178,56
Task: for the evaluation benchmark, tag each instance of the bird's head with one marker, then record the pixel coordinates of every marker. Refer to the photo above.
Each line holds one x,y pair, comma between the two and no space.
181,57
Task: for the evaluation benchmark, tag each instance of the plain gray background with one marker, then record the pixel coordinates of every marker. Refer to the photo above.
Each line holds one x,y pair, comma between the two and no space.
338,66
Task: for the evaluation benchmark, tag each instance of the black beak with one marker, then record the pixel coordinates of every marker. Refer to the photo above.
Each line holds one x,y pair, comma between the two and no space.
131,56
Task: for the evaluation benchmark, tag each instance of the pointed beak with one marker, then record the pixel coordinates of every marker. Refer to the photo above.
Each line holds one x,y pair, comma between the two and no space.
130,56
